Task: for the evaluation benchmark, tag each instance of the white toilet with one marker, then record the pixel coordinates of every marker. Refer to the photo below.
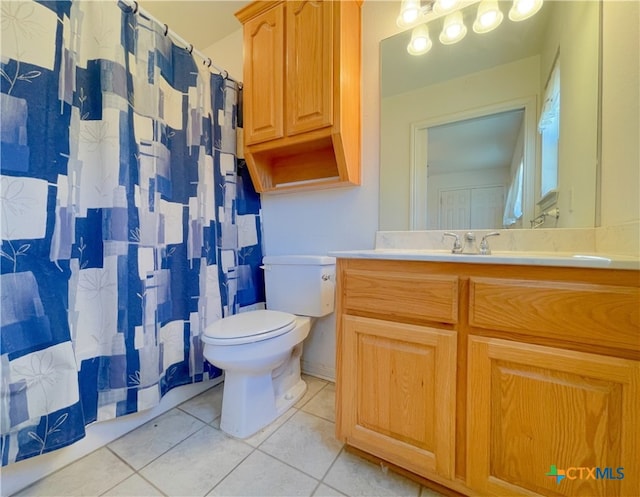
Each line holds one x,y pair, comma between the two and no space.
260,351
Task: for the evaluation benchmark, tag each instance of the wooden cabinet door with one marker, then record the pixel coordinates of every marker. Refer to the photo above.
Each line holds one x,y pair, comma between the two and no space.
309,67
263,76
397,393
551,422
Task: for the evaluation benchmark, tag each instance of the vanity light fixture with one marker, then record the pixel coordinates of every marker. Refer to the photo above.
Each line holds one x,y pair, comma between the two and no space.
524,9
489,17
420,42
454,29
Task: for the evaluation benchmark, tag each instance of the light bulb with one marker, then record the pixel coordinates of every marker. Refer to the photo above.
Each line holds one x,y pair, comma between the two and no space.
489,16
420,42
409,13
444,6
523,9
454,29
524,6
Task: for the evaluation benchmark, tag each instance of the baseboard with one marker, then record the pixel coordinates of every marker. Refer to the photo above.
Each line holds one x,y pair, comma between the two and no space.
318,370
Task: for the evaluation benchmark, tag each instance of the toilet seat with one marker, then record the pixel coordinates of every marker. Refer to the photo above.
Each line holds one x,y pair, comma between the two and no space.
247,327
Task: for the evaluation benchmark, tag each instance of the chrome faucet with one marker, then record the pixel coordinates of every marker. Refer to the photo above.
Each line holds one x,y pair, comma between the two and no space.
484,244
457,247
469,243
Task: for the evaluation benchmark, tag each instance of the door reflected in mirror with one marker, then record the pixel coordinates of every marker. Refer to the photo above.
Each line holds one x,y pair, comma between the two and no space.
473,166
506,69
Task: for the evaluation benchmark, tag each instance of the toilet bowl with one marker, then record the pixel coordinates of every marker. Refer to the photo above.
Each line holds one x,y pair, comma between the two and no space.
260,350
260,354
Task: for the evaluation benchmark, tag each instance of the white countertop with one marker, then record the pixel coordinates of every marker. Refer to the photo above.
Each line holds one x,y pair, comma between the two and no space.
563,259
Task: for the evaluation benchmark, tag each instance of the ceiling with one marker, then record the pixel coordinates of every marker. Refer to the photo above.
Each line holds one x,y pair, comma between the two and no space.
199,22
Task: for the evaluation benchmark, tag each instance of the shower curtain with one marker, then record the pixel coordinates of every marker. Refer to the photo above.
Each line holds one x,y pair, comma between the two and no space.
127,225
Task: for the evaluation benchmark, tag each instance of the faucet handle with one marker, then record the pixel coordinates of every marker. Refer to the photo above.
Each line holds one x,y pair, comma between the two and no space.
484,244
457,247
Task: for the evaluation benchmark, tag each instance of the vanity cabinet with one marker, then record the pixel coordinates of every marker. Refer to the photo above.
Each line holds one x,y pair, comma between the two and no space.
397,365
302,93
534,407
401,379
484,378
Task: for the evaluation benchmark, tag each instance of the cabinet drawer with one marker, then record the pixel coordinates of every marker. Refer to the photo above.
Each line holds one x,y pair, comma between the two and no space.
577,312
398,294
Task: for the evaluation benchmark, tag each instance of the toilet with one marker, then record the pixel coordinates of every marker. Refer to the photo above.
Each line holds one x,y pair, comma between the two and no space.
260,350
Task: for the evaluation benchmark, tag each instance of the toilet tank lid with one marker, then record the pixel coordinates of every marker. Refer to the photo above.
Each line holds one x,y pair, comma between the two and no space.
309,260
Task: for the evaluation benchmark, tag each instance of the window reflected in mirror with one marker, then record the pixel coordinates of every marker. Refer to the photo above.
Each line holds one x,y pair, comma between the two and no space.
549,129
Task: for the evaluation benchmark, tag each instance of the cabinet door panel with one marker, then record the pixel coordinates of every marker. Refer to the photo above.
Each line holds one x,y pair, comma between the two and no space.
398,392
263,73
309,65
533,408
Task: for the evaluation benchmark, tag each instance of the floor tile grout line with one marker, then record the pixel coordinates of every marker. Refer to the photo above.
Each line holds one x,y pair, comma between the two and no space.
59,470
253,448
315,489
164,452
231,470
279,427
318,416
322,480
287,464
314,395
135,472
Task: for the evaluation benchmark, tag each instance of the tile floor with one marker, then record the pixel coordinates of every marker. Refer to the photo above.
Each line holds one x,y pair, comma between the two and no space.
184,453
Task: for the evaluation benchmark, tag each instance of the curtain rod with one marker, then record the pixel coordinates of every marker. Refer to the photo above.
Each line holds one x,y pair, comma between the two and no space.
134,7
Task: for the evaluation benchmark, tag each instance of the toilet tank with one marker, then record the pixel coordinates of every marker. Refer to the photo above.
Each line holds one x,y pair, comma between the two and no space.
300,284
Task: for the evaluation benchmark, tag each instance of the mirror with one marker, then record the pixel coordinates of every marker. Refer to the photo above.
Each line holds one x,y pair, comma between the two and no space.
436,108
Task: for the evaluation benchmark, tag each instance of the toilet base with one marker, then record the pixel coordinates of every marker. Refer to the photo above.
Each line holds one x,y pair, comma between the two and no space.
249,403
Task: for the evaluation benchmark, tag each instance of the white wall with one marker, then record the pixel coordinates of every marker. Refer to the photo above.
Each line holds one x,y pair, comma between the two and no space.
621,113
227,54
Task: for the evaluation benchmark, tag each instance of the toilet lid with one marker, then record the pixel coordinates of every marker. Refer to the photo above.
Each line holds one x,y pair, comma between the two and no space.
250,326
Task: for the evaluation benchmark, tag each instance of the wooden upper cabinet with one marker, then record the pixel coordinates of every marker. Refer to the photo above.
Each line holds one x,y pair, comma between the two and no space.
263,76
310,66
302,93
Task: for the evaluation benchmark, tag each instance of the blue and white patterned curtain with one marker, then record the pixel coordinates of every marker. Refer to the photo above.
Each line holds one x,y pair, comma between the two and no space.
126,225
